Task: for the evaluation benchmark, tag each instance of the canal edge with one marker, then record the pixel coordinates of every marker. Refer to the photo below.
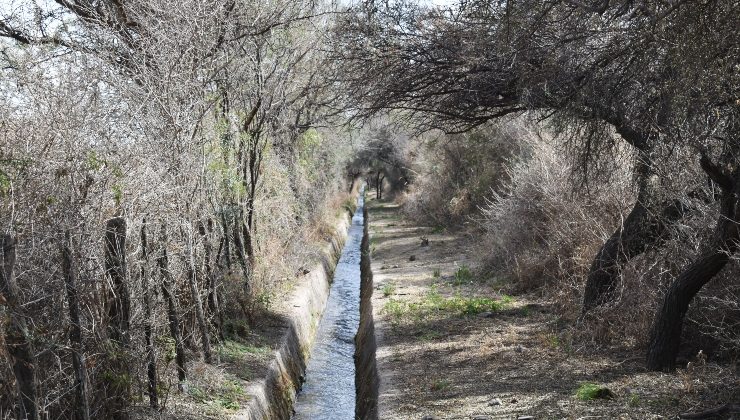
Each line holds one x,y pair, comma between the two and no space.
366,372
274,396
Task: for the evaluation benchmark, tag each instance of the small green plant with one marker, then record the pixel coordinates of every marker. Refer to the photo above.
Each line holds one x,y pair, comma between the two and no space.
553,340
388,289
438,229
197,393
590,391
434,302
117,193
440,384
633,400
463,275
235,350
395,308
230,394
436,273
167,344
430,335
264,299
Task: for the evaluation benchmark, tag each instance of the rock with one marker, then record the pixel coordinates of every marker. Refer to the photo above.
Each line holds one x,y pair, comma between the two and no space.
412,258
494,402
525,418
485,315
429,417
481,417
424,241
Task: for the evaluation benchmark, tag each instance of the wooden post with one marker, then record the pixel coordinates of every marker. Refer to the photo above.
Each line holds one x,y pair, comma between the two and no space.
17,343
82,404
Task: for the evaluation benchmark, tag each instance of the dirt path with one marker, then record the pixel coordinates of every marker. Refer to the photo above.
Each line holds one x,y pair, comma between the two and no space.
452,346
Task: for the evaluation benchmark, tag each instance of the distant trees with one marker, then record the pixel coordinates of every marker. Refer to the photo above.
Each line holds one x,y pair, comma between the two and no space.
661,76
381,157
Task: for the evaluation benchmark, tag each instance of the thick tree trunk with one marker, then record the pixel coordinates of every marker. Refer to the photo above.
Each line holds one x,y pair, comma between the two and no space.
82,404
172,316
151,356
665,336
205,335
17,342
643,228
115,266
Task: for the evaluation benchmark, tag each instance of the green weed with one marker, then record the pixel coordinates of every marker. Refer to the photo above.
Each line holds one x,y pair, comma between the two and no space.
590,391
440,384
433,302
463,275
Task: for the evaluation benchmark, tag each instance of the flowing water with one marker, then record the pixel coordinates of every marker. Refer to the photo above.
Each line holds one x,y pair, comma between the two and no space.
329,390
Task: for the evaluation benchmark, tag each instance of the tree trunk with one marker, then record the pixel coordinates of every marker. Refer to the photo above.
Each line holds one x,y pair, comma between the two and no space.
211,280
151,355
378,186
665,336
172,317
17,342
226,244
205,336
82,404
115,267
119,312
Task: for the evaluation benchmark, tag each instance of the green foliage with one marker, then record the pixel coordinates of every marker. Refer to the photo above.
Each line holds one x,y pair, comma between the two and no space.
434,302
197,393
4,183
229,395
440,384
10,165
430,335
436,273
226,396
93,162
309,147
463,275
236,327
117,380
590,391
438,229
235,350
264,299
167,348
388,289
117,193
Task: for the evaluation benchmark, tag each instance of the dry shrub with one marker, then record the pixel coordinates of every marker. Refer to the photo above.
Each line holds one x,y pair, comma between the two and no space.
456,172
543,226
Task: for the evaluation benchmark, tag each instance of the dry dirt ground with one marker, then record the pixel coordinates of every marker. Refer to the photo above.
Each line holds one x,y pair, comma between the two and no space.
453,346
